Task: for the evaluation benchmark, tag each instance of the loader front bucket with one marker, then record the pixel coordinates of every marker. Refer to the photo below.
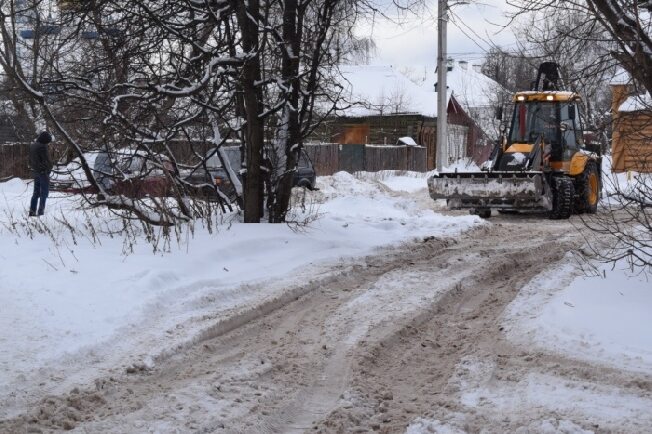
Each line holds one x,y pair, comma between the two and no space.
485,190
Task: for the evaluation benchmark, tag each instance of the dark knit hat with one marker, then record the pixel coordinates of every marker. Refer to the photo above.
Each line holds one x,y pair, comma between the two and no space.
44,138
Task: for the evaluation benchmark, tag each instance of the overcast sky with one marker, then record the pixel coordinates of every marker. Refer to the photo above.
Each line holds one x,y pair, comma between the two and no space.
413,41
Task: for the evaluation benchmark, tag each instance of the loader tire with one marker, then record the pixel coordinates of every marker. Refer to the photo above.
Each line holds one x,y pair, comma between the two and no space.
588,189
484,213
563,193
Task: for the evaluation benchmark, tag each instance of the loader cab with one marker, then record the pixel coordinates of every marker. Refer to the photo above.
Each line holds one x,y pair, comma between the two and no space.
548,119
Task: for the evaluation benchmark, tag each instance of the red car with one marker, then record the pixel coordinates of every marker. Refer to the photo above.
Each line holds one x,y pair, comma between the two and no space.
126,172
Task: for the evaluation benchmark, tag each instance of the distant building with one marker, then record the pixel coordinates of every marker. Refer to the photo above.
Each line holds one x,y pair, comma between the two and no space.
381,106
478,95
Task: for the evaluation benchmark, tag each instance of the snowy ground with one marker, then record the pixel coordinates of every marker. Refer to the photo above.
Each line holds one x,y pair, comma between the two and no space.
80,304
75,306
603,321
595,319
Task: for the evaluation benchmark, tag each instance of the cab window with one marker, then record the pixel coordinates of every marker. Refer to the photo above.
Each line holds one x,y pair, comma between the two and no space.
533,120
570,134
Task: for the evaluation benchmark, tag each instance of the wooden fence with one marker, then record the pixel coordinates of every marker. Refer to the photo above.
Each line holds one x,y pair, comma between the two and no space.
324,158
327,158
14,159
395,158
330,158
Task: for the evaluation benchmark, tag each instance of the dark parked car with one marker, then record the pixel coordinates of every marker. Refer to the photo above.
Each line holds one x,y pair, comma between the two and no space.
215,175
304,176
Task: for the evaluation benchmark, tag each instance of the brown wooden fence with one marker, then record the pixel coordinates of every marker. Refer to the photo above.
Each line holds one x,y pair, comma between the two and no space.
395,158
417,159
14,159
370,158
324,157
327,158
385,158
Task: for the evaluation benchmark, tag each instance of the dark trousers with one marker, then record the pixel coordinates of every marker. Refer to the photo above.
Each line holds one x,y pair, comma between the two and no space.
41,191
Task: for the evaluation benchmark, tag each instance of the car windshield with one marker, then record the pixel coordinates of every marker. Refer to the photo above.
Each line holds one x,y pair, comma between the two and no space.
127,162
232,153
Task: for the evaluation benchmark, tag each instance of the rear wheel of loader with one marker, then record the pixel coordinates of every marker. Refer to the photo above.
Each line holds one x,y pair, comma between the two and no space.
484,213
562,197
588,193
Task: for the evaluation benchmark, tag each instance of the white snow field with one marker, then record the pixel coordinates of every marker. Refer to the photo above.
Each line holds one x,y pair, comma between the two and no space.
596,319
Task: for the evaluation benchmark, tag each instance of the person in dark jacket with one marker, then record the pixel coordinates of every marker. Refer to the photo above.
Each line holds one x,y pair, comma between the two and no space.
41,165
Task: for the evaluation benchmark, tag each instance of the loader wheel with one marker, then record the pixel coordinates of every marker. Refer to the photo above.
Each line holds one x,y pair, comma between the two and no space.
588,189
484,213
562,197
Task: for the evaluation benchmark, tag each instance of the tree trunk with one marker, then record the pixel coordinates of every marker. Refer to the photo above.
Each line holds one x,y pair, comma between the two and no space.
292,136
252,97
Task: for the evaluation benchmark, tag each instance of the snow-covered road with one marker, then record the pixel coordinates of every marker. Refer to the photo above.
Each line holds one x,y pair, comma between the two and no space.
457,326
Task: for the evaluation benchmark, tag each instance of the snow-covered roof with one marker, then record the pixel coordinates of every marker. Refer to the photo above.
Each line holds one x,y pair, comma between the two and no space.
470,87
636,103
475,92
373,89
620,77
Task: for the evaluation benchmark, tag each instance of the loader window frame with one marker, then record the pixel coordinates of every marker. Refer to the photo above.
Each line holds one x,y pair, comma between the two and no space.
570,136
533,119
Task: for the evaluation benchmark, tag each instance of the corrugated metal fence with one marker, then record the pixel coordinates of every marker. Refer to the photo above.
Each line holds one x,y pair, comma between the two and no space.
327,158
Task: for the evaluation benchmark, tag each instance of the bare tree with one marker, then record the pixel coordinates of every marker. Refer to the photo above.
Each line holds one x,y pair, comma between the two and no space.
302,43
118,75
142,75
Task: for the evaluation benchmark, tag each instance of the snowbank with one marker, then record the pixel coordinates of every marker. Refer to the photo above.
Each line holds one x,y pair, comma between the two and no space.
598,319
463,165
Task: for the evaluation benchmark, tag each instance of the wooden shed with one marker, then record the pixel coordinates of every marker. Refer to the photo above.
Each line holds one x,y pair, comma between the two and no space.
631,145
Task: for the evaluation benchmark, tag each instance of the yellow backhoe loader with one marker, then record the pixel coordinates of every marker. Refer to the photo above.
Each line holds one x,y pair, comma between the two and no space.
542,163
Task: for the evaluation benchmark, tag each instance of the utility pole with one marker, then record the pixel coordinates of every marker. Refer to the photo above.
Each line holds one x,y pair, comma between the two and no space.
442,68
